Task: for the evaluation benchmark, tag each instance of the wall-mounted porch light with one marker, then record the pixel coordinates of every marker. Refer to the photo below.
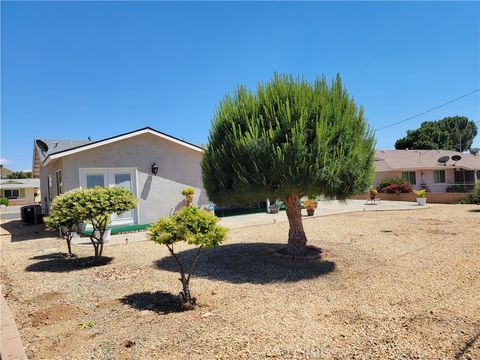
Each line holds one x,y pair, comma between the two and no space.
154,169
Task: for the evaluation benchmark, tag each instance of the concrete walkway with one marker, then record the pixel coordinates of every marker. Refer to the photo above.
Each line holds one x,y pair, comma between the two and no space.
324,208
11,347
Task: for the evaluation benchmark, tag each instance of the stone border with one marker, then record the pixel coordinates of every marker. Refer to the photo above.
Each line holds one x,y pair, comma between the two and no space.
11,347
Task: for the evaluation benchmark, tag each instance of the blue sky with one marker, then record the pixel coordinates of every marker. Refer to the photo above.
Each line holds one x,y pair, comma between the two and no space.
73,70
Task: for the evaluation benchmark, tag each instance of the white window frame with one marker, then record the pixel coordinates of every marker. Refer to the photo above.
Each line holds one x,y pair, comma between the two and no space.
444,176
109,180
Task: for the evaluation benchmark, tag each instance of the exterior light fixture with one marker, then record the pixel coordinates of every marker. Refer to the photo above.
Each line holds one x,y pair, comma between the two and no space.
154,169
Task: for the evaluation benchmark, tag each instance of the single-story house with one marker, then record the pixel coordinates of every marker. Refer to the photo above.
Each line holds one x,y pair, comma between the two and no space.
154,166
434,170
20,191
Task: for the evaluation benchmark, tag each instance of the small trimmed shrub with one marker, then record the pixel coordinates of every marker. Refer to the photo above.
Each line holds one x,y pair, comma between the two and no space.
394,185
188,191
195,227
97,205
477,188
4,201
64,214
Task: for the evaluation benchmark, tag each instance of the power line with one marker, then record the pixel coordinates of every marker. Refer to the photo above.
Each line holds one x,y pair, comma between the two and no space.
427,111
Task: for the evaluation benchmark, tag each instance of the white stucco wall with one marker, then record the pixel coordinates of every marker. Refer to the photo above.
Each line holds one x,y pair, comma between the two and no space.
159,195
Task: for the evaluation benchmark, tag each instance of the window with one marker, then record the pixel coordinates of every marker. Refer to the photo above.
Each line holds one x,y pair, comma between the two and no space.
12,194
95,180
410,177
59,182
49,188
438,176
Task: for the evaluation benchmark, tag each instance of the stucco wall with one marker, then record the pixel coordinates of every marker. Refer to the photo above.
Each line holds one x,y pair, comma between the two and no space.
159,195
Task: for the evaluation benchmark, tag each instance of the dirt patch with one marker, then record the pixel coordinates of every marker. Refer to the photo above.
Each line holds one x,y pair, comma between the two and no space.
50,296
123,273
54,314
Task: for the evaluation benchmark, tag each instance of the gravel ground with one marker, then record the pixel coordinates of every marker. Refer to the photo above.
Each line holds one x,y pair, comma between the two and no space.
395,285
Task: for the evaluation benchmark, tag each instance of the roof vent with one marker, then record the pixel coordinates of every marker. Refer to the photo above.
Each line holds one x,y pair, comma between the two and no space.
42,146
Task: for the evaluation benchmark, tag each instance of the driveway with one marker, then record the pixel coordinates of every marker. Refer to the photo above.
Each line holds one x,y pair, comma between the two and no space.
10,213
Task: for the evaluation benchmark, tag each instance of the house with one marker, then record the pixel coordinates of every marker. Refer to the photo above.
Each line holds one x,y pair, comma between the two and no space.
20,191
154,166
434,170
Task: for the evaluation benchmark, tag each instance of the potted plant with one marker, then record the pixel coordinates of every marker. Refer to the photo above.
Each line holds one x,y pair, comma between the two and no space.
421,197
188,193
373,194
309,205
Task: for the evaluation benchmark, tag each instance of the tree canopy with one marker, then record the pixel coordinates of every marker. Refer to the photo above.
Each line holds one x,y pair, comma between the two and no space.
450,133
288,139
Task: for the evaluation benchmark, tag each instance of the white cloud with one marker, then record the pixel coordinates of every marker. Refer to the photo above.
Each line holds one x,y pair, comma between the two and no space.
4,161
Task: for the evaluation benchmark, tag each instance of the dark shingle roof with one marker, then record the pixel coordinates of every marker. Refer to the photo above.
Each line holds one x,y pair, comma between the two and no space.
55,146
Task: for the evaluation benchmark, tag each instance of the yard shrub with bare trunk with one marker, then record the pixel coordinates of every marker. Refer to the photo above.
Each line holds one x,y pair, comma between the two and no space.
96,206
194,226
63,215
288,139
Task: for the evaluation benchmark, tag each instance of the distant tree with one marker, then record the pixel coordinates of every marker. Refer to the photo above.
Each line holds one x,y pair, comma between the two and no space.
289,139
20,175
64,215
194,226
97,205
451,133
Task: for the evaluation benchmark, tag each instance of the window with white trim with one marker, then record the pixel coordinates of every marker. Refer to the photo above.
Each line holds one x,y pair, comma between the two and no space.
438,176
410,177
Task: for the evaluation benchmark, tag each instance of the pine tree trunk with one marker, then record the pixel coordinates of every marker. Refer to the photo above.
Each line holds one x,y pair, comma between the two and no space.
297,241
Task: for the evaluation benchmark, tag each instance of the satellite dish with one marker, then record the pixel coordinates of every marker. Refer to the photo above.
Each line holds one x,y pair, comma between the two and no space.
456,157
443,160
474,151
43,147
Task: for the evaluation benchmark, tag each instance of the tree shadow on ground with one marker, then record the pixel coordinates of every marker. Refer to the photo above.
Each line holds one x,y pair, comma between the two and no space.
19,232
56,262
474,210
161,302
249,263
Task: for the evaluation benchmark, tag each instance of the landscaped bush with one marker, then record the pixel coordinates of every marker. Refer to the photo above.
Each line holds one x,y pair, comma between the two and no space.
458,189
92,206
471,199
96,207
4,201
64,214
478,187
194,226
394,185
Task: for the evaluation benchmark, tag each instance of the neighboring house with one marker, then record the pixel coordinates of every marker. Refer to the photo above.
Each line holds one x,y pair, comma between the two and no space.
423,169
20,191
128,160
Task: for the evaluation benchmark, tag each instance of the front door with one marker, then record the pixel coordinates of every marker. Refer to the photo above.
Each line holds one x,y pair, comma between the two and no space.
124,177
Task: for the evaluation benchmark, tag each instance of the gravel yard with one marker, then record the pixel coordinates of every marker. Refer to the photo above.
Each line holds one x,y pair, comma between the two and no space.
400,284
